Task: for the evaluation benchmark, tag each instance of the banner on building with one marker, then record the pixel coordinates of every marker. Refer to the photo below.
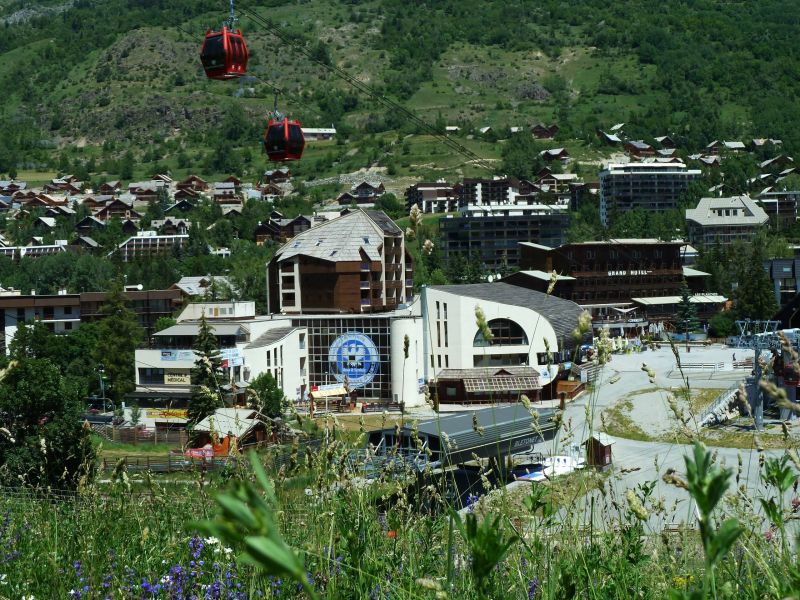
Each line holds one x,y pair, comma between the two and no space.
166,413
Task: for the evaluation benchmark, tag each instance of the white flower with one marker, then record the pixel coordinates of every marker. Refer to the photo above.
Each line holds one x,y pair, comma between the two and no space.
7,433
211,541
3,579
43,445
227,551
309,492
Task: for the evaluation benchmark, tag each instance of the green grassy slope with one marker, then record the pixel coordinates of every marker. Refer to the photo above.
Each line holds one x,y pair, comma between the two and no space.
124,75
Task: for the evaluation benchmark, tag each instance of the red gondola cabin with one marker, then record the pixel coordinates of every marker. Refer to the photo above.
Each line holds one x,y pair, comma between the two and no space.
224,54
283,140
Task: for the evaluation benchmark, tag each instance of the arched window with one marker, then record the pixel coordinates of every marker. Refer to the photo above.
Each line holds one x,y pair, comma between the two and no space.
505,332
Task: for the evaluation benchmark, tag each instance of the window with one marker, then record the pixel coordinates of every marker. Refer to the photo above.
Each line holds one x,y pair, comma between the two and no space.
445,315
269,359
67,326
505,332
67,310
439,360
438,334
20,315
438,315
450,392
446,340
447,361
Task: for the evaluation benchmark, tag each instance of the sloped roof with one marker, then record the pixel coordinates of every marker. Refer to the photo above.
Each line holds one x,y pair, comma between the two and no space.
705,214
270,337
560,313
230,421
343,238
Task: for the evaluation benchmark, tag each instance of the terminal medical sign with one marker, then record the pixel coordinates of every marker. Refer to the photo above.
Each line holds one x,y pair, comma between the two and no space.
355,357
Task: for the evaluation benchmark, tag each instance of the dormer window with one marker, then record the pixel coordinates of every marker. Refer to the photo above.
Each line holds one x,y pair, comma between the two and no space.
366,240
319,242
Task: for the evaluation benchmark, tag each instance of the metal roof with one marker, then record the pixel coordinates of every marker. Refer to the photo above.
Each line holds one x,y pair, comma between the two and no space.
696,299
270,337
561,314
544,275
497,423
192,329
705,214
343,239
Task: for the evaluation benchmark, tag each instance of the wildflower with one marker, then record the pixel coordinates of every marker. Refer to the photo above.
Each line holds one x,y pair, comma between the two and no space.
43,445
391,534
8,435
427,247
533,586
552,283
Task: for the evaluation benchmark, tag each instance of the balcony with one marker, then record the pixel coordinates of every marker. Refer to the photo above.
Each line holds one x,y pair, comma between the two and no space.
365,302
364,285
365,266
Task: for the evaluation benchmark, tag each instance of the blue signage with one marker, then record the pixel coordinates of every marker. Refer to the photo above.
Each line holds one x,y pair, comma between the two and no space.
354,357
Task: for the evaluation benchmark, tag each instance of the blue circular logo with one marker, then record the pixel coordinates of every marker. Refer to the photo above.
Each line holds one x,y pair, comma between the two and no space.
354,357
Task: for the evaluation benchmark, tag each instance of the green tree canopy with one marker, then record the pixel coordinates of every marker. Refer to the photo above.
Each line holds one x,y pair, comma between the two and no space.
267,396
45,443
206,374
119,335
755,295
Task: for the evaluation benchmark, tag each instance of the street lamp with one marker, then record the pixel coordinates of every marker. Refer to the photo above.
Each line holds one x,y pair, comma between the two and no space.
101,372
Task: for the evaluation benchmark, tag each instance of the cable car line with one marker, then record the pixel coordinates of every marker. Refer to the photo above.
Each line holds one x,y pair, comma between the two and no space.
368,90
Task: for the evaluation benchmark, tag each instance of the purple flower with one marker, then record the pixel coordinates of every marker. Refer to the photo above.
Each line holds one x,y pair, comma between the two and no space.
533,585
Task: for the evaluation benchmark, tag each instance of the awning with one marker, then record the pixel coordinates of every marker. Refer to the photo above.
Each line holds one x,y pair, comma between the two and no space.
328,393
502,384
623,310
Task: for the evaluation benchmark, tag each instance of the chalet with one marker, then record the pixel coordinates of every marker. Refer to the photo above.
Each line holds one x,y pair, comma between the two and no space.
44,224
89,224
543,132
514,129
193,182
281,175
130,227
782,161
717,146
237,183
664,142
64,185
666,153
758,143
110,188
270,190
484,130
452,129
187,194
276,214
367,189
639,148
182,206
289,228
617,128
87,243
266,231
207,285
232,211
117,208
96,202
165,179
610,139
10,186
170,226
555,154
6,202
346,199
225,193
711,161
59,211
145,191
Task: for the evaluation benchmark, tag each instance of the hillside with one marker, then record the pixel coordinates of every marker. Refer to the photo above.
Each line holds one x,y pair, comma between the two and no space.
87,83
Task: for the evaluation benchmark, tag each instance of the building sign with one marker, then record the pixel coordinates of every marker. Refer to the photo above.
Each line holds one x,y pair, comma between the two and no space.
174,355
354,357
177,377
231,357
166,413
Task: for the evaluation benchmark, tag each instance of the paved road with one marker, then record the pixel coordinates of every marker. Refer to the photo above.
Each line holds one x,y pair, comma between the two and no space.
652,459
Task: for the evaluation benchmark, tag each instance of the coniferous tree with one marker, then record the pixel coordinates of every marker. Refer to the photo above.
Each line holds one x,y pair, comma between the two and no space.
206,374
755,295
119,335
686,319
